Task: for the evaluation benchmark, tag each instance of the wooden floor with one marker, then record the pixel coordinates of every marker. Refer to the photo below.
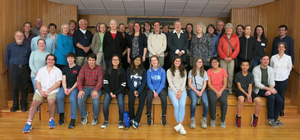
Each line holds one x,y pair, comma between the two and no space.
11,128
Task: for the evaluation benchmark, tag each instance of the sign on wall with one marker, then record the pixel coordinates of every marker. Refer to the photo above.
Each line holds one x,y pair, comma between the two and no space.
163,21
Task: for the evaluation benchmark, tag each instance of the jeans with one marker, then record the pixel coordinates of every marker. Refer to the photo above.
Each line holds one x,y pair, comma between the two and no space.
142,98
33,84
281,86
256,61
73,100
107,63
274,104
163,97
179,105
213,104
95,102
106,102
204,100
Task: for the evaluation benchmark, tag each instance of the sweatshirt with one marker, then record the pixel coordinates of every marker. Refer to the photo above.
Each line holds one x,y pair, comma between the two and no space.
136,82
114,82
176,83
156,79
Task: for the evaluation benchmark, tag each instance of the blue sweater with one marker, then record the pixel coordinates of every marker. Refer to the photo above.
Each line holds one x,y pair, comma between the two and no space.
64,46
136,82
156,79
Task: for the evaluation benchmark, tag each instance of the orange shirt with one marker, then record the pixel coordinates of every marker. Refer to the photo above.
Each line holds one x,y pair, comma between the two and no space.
217,78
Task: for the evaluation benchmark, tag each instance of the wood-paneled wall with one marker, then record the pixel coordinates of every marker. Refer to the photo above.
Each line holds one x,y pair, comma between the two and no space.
270,16
13,13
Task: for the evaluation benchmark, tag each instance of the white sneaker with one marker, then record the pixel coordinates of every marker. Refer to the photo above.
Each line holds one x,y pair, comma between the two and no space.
177,127
182,131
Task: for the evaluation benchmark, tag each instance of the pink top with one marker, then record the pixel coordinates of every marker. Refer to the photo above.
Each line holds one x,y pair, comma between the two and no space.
217,78
113,35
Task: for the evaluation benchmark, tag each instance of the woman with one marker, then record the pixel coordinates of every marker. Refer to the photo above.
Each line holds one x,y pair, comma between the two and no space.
37,60
125,65
28,35
73,25
260,44
97,44
137,44
214,39
64,46
200,45
217,81
240,30
197,81
282,65
114,83
247,46
190,33
156,78
130,27
228,49
113,43
136,81
147,31
176,76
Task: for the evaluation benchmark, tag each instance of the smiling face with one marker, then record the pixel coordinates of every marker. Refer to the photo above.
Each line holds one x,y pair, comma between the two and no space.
91,62
147,26
239,30
199,29
282,31
229,30
177,26
264,61
220,26
65,29
215,63
137,62
19,37
245,66
122,28
166,29
41,44
199,63
156,26
211,30
52,29
137,27
154,62
72,26
281,48
115,61
259,31
27,27
83,25
177,62
102,28
38,22
113,25
44,31
248,30
50,61
70,60
189,28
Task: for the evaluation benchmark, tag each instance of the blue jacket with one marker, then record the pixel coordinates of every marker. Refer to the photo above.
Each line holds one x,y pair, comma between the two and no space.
214,45
156,79
136,82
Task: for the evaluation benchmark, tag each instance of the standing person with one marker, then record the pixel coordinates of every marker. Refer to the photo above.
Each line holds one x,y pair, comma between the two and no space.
264,87
176,76
177,43
73,28
217,81
244,81
240,30
82,40
189,29
38,25
28,34
166,52
17,59
282,65
228,50
157,43
97,44
214,39
50,44
220,28
247,48
114,83
52,32
260,44
200,45
125,64
147,31
64,46
283,29
69,88
136,81
113,43
130,27
137,44
37,61
48,81
89,83
156,78
197,81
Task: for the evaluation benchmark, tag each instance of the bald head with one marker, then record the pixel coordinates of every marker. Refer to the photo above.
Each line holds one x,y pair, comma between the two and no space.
44,32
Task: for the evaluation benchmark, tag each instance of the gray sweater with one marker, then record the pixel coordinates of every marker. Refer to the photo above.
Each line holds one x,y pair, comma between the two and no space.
176,83
257,78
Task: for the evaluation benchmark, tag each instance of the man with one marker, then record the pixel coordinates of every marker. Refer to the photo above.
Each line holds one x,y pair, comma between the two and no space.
264,87
48,81
50,44
52,32
220,28
157,43
82,39
89,84
17,59
283,29
38,24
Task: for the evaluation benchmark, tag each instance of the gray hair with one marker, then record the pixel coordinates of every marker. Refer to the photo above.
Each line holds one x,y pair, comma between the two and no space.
218,21
82,20
62,25
112,21
18,32
229,25
202,25
39,18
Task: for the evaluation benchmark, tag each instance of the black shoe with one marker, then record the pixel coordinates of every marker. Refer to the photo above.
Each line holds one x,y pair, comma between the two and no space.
61,118
281,113
163,120
72,124
149,119
14,109
23,109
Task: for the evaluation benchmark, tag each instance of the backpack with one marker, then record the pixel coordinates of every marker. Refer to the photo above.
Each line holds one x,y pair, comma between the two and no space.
126,118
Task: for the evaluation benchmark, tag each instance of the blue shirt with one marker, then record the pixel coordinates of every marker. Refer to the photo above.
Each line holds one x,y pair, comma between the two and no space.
50,44
64,46
17,54
289,48
156,79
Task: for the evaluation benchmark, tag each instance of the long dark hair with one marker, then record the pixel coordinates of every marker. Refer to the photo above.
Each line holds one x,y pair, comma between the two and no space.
262,37
181,67
139,70
139,30
192,32
119,66
213,26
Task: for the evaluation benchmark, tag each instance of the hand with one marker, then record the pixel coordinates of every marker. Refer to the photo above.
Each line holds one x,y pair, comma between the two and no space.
199,93
226,59
67,92
144,58
219,94
80,94
112,95
229,59
95,95
157,55
43,93
128,60
208,60
180,53
155,94
85,50
268,93
136,93
249,98
273,91
47,92
124,53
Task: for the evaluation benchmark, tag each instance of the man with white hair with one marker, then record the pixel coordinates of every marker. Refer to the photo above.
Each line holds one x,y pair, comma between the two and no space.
220,28
82,40
38,25
50,43
17,59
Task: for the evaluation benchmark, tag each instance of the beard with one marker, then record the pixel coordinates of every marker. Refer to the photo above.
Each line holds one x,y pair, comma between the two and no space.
19,40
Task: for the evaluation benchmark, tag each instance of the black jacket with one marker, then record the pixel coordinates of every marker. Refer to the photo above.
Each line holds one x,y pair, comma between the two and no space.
113,46
247,47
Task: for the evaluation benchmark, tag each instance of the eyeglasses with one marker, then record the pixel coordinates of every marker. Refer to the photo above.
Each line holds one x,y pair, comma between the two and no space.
199,61
115,60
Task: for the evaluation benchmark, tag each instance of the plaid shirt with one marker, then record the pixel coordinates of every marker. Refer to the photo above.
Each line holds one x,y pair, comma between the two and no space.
88,77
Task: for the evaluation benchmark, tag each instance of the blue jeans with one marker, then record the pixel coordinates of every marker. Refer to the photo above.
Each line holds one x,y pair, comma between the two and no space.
106,102
274,104
107,63
256,61
179,105
204,100
33,84
95,102
73,100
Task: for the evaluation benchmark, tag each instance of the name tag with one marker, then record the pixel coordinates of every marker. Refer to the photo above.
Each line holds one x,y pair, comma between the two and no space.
263,44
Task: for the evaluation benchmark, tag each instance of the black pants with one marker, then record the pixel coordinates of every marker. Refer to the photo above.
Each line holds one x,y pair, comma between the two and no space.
274,104
163,97
281,86
131,98
19,75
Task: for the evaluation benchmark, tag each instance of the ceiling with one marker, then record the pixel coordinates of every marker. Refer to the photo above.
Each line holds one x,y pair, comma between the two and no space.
195,8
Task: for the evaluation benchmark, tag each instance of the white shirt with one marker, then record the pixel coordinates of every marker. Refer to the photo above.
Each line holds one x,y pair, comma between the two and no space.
53,36
83,31
282,66
47,80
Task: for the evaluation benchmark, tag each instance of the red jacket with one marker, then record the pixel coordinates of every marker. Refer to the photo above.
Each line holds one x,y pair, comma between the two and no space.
224,46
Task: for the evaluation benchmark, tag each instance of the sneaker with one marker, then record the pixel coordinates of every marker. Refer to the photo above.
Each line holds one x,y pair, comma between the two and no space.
61,118
279,123
150,122
213,123
94,121
223,124
72,124
135,125
14,109
163,120
272,123
254,120
177,127
27,128
193,125
238,121
203,121
52,124
104,125
84,120
182,131
121,125
230,92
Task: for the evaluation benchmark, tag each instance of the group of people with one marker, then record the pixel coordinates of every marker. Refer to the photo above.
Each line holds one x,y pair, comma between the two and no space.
200,62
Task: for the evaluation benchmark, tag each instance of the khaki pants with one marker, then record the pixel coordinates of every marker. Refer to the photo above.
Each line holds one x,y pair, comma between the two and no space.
80,61
38,97
100,60
229,67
